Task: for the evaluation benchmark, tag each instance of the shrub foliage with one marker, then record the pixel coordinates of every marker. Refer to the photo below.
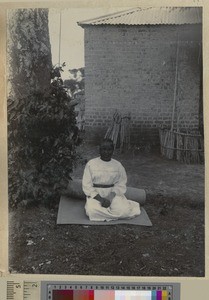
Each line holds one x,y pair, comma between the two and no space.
41,144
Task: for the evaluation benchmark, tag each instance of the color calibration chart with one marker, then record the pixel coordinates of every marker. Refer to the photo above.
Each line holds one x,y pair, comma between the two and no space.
111,291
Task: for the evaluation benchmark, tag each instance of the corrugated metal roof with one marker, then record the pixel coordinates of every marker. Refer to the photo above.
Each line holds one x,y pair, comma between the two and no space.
150,16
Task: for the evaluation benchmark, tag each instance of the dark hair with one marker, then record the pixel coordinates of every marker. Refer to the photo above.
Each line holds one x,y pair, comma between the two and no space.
108,141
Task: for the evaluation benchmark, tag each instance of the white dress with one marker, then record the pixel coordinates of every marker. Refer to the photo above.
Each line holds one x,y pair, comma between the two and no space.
100,172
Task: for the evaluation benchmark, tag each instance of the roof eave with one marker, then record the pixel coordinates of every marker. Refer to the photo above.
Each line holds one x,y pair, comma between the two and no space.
129,25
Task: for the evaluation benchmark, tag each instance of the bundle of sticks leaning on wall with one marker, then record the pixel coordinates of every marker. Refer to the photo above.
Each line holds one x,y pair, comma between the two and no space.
184,147
119,131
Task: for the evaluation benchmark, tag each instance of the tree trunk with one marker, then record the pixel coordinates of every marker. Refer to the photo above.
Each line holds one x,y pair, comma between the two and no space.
29,52
29,75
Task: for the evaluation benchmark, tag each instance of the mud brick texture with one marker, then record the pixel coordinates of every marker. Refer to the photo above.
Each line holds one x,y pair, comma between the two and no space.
132,69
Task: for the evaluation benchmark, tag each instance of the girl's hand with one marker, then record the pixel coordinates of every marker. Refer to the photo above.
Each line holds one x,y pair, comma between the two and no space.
105,203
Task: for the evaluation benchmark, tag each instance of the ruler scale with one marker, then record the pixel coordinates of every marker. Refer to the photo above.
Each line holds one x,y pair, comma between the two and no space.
110,291
51,290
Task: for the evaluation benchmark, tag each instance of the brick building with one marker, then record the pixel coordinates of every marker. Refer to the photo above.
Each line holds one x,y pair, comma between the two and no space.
131,61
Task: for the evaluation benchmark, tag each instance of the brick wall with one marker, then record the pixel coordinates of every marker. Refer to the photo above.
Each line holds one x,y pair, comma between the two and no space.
132,69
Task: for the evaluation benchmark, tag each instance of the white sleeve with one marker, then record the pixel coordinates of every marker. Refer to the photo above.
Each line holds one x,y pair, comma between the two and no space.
120,186
87,183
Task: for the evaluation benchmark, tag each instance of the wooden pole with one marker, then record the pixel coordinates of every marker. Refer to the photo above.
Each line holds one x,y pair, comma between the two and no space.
60,33
175,86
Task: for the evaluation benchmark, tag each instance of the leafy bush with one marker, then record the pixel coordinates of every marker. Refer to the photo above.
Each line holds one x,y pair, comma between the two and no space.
42,139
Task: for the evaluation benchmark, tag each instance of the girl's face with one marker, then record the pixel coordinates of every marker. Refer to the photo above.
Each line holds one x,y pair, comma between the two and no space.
106,151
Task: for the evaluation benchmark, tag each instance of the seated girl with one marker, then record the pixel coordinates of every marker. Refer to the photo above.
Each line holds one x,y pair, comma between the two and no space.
104,184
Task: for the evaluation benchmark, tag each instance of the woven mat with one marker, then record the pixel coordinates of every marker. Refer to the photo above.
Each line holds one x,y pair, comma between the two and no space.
71,211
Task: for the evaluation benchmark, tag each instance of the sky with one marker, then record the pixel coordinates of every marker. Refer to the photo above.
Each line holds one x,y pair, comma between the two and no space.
72,35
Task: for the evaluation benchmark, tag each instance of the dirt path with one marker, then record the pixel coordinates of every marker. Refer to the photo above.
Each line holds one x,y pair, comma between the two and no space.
173,246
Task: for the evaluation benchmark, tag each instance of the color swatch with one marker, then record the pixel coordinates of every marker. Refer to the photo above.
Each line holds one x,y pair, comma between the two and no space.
109,295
